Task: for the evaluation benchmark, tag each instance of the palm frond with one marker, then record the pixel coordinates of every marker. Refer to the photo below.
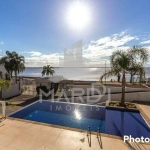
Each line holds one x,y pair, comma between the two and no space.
4,83
112,72
140,52
47,70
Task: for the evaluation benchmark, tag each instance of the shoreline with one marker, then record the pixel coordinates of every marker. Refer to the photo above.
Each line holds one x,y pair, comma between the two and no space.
85,82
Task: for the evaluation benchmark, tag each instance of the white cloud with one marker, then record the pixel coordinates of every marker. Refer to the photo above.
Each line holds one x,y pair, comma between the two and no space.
115,41
34,53
104,47
42,60
147,47
145,42
94,53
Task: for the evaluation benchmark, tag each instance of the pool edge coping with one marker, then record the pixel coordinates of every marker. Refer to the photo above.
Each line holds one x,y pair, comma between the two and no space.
71,129
143,114
49,101
64,127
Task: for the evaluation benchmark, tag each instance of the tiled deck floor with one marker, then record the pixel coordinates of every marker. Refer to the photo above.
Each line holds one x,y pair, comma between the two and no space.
18,135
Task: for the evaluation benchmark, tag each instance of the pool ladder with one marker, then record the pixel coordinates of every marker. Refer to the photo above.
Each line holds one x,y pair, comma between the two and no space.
98,137
89,135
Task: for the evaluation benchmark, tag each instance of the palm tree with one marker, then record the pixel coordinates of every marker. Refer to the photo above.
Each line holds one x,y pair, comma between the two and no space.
18,64
8,66
48,70
136,69
118,77
13,63
141,73
139,56
120,63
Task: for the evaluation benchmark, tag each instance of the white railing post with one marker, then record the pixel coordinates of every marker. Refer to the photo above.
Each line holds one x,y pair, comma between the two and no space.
3,108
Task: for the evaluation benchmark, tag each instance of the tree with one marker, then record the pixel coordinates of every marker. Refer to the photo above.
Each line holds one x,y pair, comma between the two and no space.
120,63
141,73
4,83
47,70
118,76
13,63
139,56
18,64
136,69
7,76
7,64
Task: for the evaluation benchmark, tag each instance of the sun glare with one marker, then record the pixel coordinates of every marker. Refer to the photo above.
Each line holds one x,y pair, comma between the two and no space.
77,114
78,15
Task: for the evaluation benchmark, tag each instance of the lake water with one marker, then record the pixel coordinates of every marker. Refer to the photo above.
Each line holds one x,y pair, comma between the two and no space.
88,74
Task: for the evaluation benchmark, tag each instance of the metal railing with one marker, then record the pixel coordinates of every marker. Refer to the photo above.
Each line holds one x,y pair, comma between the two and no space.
89,135
99,138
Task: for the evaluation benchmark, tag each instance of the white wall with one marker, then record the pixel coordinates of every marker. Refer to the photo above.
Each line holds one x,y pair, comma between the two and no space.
128,89
85,88
129,97
3,70
13,91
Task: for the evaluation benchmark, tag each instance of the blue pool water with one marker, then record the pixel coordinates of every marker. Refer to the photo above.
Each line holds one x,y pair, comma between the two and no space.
64,114
66,120
126,123
81,116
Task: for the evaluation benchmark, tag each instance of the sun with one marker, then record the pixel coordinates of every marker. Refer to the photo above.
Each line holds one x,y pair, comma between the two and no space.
78,15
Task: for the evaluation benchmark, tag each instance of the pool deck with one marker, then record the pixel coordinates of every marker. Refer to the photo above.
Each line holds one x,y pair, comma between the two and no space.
19,135
145,111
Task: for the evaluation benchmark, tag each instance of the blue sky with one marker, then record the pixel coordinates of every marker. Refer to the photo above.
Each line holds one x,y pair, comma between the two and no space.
39,29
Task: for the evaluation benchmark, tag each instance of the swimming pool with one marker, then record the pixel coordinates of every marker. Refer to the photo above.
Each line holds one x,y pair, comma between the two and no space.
81,116
122,123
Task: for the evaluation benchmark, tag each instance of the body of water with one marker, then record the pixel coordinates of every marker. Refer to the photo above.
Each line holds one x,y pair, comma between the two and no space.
88,74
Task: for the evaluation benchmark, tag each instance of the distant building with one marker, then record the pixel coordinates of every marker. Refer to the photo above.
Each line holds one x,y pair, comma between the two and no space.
72,56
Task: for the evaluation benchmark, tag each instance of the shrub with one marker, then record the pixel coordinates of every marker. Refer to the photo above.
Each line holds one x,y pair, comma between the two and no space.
24,88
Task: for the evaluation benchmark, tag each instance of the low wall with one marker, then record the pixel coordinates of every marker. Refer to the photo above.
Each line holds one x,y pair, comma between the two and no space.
95,99
13,91
127,89
88,90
